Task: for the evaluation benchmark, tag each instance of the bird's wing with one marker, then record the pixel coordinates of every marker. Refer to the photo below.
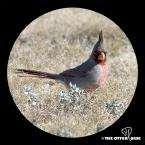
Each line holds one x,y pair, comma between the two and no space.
73,73
79,71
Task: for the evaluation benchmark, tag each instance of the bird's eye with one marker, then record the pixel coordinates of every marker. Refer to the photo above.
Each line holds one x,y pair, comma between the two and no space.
102,56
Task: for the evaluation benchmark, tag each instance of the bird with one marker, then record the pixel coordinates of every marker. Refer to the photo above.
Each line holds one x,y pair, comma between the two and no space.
89,75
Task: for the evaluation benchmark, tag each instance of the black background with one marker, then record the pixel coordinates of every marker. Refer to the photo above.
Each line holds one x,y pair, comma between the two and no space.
15,16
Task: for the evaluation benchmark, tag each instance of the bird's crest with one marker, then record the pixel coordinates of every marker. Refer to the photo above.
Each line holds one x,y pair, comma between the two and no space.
101,37
99,44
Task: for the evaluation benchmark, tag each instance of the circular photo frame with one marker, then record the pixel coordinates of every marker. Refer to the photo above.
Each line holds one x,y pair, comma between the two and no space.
72,72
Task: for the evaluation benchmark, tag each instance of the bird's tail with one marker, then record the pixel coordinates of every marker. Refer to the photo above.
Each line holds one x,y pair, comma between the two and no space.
37,74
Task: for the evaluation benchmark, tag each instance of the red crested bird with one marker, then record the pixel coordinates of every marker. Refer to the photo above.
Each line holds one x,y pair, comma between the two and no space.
89,75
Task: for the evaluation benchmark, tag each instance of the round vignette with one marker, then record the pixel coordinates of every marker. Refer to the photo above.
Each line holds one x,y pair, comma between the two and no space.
45,102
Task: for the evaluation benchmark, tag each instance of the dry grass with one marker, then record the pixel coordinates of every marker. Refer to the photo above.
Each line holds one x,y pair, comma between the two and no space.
61,40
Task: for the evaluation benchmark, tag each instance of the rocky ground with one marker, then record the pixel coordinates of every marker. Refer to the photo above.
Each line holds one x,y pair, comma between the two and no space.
61,40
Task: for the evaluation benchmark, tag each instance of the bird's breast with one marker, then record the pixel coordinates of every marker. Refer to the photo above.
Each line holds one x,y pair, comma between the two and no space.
102,74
